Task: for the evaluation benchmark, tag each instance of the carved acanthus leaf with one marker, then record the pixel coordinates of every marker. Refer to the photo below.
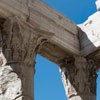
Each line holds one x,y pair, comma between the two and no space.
79,77
18,45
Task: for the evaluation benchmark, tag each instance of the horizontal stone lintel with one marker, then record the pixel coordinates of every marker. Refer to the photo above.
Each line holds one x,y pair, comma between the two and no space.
45,21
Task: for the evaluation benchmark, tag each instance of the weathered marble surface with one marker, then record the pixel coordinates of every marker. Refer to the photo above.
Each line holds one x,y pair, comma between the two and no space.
79,78
44,21
10,84
17,59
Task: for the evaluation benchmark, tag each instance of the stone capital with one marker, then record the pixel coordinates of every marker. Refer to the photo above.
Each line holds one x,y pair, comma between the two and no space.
79,78
18,44
18,49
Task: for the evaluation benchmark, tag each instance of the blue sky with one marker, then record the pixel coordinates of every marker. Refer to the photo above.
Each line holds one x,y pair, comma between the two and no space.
48,85
76,10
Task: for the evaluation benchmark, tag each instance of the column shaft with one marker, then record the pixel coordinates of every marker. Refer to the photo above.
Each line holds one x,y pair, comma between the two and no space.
79,79
19,47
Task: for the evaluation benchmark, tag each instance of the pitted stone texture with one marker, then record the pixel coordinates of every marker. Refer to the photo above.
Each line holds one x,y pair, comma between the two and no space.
10,84
19,49
79,78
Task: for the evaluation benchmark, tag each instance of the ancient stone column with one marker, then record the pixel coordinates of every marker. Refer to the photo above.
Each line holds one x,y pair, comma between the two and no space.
79,78
18,49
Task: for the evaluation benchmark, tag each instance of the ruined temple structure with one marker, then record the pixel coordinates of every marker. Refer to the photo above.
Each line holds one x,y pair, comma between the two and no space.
30,27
